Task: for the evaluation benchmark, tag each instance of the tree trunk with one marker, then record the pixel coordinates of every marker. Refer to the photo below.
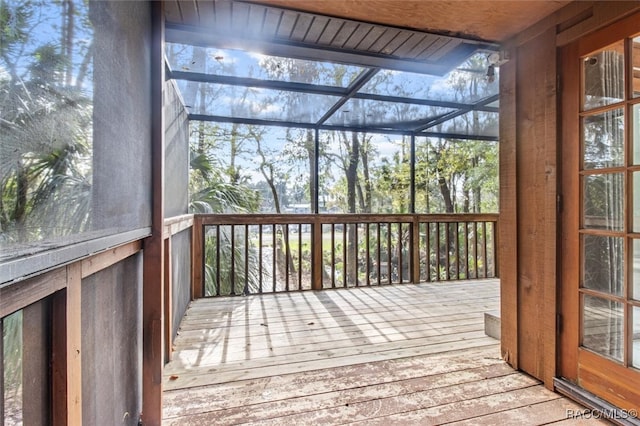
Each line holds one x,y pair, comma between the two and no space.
476,188
68,34
201,124
20,209
364,154
283,251
467,201
352,175
233,153
310,148
352,172
446,194
84,66
477,200
361,198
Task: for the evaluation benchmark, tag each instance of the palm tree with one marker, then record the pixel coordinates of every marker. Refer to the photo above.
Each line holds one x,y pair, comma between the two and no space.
227,269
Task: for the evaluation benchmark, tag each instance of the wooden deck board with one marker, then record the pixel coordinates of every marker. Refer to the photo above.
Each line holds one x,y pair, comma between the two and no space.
380,374
554,411
405,354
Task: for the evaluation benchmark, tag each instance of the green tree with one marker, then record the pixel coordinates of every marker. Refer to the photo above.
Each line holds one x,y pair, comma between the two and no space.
46,129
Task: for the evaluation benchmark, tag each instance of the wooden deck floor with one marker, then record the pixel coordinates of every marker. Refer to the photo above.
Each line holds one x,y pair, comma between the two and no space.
392,355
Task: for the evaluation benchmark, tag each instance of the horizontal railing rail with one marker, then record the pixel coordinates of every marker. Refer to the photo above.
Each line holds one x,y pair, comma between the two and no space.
260,253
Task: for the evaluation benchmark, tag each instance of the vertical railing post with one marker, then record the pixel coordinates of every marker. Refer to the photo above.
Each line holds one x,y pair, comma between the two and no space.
495,250
427,249
197,258
437,250
168,294
484,248
316,254
367,253
414,240
2,373
447,259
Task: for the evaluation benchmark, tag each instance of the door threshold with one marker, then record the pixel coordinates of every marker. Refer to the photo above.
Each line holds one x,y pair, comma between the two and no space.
596,408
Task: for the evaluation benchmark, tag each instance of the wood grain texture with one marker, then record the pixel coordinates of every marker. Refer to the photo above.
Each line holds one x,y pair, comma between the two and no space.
14,297
109,257
197,258
59,358
74,344
609,380
316,259
536,198
177,224
550,227
35,389
404,354
257,219
478,19
569,238
603,14
153,263
168,302
562,19
508,229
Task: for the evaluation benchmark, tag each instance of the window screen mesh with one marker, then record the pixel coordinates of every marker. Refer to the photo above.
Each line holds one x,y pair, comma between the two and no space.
176,153
75,109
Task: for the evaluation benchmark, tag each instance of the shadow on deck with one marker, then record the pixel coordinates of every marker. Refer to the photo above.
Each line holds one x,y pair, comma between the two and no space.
402,354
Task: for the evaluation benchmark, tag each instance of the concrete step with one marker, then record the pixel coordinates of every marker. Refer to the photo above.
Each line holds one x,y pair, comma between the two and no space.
492,324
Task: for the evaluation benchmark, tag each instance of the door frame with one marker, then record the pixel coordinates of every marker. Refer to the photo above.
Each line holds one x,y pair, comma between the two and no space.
603,377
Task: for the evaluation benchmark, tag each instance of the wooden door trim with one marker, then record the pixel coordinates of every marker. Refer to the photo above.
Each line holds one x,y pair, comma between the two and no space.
620,30
569,243
600,375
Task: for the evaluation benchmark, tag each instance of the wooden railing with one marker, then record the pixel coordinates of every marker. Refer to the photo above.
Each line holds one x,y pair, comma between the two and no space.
247,254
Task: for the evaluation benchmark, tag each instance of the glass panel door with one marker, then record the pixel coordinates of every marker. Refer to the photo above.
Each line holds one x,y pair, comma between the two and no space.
603,219
608,218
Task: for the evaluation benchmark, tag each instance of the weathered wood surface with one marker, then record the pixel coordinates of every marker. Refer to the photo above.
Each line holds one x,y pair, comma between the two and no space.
405,354
536,216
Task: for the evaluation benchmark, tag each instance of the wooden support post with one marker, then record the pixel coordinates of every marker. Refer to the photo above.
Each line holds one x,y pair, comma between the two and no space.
508,248
66,359
59,358
74,344
496,242
316,254
197,257
415,250
153,269
168,303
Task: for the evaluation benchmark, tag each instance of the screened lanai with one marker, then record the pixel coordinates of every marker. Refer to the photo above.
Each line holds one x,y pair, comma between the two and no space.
114,112
272,72
317,114
270,66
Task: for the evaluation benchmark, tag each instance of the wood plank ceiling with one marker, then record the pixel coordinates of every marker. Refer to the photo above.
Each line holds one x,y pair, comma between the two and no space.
288,32
487,20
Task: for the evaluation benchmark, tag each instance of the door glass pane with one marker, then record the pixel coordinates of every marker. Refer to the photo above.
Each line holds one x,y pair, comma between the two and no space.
635,44
635,272
635,176
603,326
604,77
603,264
604,201
603,136
635,359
